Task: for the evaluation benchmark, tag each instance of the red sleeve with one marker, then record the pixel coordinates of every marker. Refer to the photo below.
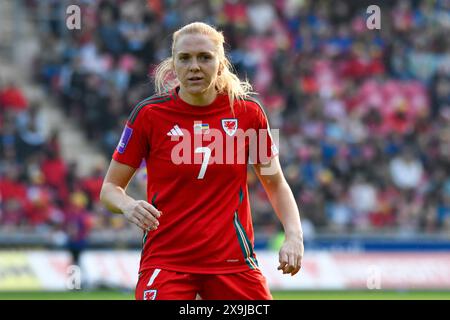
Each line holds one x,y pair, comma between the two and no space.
134,141
267,148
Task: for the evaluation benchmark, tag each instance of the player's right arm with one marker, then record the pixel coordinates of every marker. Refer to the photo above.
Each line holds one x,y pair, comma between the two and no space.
127,157
113,195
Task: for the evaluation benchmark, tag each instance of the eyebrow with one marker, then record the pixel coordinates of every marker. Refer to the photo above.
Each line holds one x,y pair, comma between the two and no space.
188,53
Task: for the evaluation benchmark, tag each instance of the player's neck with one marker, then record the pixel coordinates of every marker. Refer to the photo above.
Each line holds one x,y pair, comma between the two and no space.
199,100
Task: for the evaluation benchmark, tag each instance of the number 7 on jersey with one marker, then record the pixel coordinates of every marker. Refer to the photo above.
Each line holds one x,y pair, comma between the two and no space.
207,154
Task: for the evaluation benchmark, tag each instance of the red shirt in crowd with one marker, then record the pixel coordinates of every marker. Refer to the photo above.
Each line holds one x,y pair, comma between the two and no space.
13,98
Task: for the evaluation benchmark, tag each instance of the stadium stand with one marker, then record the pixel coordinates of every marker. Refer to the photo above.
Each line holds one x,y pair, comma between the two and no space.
364,117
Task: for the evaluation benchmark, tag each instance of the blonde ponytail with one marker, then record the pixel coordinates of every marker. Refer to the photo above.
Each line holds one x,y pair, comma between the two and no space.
229,83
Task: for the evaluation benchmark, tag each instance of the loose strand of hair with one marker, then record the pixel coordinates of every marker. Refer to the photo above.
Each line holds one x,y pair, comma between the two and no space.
163,75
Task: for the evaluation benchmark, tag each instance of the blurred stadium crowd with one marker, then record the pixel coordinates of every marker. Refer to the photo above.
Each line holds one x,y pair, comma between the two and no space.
364,115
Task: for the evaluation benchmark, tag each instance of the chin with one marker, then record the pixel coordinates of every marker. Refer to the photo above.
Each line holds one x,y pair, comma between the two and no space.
194,90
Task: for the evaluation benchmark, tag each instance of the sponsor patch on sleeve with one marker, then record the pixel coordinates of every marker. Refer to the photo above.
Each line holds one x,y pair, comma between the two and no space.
124,139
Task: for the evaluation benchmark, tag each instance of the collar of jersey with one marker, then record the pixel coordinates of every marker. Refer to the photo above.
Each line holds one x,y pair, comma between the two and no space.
220,100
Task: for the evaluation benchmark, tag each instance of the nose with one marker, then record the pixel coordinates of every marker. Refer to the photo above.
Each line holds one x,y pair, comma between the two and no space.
194,64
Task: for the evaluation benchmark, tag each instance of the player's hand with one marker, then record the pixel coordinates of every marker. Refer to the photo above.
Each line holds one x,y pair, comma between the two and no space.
290,256
142,214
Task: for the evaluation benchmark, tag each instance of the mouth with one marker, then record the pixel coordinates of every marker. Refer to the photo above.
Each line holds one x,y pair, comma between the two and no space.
195,79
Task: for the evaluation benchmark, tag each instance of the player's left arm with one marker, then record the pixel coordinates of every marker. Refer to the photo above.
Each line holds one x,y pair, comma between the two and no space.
283,202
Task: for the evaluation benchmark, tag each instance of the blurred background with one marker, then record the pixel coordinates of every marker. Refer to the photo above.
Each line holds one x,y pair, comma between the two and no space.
364,120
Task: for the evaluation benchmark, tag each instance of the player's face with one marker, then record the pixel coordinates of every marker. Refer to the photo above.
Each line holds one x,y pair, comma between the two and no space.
196,64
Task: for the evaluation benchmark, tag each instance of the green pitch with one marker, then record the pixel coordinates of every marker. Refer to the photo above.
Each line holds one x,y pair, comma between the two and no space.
278,295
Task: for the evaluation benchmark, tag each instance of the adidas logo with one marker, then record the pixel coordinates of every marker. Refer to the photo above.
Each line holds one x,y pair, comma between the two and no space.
175,131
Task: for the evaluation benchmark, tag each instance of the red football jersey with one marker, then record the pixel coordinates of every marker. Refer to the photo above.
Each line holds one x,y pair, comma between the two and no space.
199,185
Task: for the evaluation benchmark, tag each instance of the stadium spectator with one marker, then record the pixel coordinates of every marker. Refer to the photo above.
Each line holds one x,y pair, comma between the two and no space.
31,130
54,170
77,224
13,193
406,171
345,98
12,97
363,197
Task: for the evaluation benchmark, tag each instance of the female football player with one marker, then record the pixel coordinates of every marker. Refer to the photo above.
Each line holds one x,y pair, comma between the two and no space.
197,136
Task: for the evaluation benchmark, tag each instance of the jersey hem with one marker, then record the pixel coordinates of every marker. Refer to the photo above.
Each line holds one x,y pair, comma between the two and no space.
197,270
